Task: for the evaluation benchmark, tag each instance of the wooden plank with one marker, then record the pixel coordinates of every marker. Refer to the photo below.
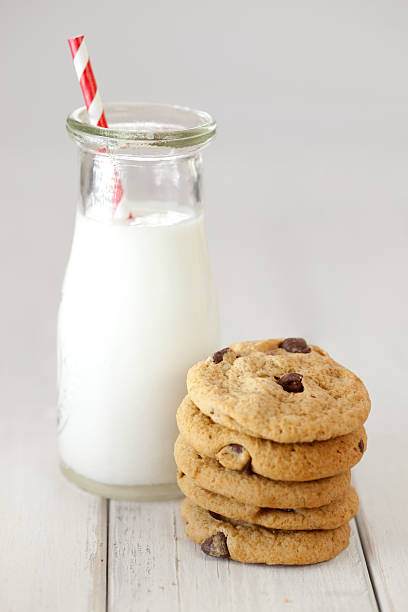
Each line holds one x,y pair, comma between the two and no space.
382,483
340,584
53,536
143,562
154,566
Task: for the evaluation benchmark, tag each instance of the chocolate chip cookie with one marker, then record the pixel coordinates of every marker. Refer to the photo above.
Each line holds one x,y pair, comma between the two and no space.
331,516
250,488
225,538
283,390
297,461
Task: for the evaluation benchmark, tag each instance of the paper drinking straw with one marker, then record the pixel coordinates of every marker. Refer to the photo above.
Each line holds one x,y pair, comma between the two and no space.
86,78
93,101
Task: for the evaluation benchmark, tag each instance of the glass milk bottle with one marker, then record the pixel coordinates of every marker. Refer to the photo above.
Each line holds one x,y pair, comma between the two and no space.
138,303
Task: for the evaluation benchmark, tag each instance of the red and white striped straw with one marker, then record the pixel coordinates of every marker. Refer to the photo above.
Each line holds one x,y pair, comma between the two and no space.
86,78
93,102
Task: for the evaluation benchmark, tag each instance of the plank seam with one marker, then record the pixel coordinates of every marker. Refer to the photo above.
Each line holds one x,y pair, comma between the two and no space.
176,560
368,565
107,554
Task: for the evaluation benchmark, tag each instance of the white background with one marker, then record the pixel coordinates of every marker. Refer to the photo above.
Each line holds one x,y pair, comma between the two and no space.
306,183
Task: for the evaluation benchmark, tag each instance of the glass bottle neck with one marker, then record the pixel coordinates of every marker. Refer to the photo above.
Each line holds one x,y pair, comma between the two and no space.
137,191
146,163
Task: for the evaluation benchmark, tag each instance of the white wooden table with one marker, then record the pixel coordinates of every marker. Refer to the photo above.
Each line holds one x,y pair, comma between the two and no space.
62,550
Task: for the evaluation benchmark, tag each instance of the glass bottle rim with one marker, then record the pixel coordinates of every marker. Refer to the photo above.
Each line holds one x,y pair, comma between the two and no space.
145,124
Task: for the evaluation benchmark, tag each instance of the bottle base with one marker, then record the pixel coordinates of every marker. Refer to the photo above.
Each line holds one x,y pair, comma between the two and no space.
160,492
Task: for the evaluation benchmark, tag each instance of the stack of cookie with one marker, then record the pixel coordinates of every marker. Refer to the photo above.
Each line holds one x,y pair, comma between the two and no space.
268,434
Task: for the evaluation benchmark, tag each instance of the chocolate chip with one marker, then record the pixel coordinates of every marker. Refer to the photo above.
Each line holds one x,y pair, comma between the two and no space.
295,345
292,382
217,517
236,448
233,457
216,546
361,446
219,355
212,411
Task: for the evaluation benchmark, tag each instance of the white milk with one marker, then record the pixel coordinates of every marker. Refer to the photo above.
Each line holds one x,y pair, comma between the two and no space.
138,309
